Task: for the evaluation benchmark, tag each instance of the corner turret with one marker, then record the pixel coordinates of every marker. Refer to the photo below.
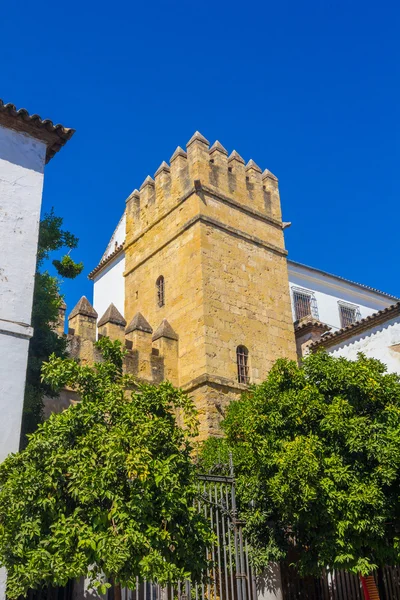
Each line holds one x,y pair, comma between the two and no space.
165,340
82,320
112,324
138,335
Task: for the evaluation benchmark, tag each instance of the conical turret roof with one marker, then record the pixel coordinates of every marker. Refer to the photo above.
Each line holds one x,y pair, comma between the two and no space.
112,315
165,330
252,165
139,323
236,156
268,173
218,147
83,308
197,137
148,181
163,167
178,152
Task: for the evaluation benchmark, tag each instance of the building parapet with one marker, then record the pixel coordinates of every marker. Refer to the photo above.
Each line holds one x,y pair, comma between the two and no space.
149,357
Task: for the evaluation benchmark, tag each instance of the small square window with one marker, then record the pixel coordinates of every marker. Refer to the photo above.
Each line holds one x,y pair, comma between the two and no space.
304,303
349,314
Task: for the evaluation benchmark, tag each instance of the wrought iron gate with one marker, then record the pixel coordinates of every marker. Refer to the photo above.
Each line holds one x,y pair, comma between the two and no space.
230,576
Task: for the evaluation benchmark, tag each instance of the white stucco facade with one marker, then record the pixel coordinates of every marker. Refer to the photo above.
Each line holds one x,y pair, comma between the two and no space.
117,238
22,160
381,342
329,292
109,283
109,286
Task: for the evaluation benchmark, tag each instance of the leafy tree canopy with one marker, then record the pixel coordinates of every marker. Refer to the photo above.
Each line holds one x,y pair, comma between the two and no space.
317,457
106,488
46,302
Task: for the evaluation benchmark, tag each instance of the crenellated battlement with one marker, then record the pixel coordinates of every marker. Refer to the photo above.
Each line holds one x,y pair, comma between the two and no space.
146,353
203,256
207,169
150,358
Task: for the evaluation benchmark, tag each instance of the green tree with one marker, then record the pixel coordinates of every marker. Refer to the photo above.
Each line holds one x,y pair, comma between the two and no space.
106,488
316,450
46,302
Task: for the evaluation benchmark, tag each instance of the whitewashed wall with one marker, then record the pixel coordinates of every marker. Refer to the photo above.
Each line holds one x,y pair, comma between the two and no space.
117,238
377,343
22,161
109,286
328,291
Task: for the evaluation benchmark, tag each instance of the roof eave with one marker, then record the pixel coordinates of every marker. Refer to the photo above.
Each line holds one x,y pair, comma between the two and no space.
362,286
54,136
341,335
104,262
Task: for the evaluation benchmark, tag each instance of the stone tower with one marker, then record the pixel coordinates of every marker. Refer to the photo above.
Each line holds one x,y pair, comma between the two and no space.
204,249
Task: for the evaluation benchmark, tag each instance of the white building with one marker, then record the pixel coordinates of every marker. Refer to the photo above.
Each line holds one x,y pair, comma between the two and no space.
27,143
331,299
108,276
376,336
323,303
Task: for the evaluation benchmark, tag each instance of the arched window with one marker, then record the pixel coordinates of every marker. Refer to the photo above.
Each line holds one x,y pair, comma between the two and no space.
242,361
160,287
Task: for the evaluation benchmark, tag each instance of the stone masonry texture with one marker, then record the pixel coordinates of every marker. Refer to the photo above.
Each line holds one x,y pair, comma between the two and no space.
211,226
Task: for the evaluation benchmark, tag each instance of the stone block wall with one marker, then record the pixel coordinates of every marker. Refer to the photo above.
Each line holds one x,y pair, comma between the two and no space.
150,357
211,226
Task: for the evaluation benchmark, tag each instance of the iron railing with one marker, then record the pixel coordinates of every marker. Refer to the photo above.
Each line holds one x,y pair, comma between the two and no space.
229,576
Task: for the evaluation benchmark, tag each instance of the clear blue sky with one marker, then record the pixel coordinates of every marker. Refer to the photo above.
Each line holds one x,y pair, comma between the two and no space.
309,90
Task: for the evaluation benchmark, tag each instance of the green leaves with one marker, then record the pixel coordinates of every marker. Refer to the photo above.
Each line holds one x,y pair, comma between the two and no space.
52,237
317,456
106,488
66,267
46,303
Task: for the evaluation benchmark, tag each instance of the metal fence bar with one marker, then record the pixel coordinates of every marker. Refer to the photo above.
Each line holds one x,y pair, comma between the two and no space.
207,551
241,584
242,565
217,519
227,556
223,517
248,577
230,546
212,545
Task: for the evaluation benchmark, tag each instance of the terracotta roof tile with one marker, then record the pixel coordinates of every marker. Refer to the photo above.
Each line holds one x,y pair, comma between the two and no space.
309,322
55,136
331,339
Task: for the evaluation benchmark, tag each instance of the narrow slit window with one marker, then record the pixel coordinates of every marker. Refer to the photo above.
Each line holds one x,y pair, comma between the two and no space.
349,314
242,360
160,287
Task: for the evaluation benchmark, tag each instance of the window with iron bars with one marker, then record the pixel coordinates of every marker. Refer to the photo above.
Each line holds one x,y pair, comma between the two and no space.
242,360
160,286
349,314
304,304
